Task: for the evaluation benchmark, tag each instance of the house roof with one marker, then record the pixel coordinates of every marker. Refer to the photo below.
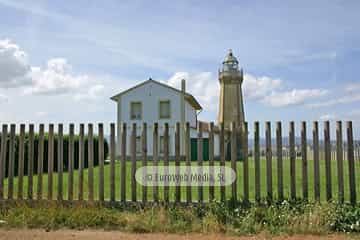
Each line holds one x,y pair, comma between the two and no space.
188,97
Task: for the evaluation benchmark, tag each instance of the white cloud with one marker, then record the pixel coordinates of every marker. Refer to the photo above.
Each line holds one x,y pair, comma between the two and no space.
41,114
205,87
298,56
93,93
354,87
256,88
293,97
355,97
350,94
351,115
56,78
3,98
14,68
327,117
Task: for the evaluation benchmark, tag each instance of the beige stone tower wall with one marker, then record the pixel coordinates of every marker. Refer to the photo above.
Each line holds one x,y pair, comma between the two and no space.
231,105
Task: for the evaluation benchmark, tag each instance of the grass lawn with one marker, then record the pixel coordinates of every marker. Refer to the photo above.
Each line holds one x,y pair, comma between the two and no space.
286,174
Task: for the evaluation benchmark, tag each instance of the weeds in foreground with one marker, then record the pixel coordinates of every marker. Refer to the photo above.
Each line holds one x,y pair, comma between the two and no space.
285,217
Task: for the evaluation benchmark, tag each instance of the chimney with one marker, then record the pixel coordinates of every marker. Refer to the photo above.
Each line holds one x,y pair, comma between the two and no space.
183,85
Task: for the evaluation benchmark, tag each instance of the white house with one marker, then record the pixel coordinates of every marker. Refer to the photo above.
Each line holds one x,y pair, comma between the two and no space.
151,102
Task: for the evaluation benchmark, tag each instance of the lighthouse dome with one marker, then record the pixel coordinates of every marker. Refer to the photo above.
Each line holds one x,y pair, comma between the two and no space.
230,62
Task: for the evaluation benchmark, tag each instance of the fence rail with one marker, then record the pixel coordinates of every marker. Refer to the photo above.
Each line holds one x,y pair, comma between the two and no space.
322,169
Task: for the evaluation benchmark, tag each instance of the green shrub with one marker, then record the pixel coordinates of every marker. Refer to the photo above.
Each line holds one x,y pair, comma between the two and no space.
346,219
286,217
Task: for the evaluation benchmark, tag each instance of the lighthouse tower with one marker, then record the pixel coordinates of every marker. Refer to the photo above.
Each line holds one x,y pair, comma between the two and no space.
231,108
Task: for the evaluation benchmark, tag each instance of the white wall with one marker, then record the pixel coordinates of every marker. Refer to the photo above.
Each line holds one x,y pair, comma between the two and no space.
190,115
150,94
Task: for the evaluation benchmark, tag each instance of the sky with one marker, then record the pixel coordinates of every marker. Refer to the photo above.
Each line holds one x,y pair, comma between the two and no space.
61,61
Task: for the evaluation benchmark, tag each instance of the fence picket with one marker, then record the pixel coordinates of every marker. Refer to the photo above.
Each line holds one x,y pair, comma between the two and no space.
50,161
144,159
292,161
268,162
60,153
90,163
81,161
40,162
133,162
211,160
11,162
279,153
316,161
257,160
327,160
188,160
233,128
101,161
200,160
123,164
155,159
166,160
21,162
340,163
3,159
222,158
71,163
246,163
304,161
30,161
177,161
112,162
351,164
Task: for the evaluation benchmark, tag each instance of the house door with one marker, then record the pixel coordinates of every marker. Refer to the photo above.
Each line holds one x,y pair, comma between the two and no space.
194,150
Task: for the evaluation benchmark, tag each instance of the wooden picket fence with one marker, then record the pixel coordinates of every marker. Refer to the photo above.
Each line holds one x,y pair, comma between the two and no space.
8,143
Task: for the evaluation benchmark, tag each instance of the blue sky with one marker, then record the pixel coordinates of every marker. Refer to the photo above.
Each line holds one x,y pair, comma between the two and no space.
60,61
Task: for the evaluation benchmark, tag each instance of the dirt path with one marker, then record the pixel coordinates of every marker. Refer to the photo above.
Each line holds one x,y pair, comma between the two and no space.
110,235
